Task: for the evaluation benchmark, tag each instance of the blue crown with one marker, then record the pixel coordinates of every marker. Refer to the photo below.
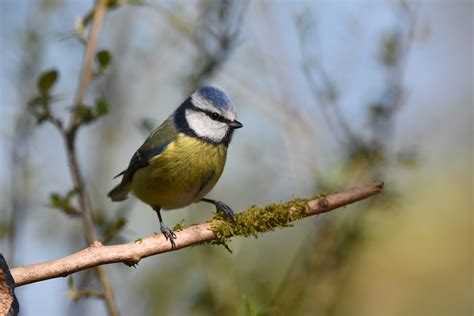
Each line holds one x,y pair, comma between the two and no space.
216,96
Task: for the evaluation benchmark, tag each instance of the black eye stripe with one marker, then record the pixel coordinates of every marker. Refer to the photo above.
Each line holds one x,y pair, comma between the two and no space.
213,115
216,117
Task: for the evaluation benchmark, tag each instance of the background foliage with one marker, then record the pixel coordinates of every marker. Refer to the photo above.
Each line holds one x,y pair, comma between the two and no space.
332,94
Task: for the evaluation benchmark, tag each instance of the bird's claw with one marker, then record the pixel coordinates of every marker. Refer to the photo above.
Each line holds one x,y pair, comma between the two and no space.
224,208
169,234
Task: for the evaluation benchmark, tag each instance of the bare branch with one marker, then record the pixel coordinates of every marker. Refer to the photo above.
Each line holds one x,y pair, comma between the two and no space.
86,74
131,253
69,136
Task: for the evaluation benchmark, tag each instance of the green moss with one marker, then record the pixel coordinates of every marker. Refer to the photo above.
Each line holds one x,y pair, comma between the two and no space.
257,220
179,226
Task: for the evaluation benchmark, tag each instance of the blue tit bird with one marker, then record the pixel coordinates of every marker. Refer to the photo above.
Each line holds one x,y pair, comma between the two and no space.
183,158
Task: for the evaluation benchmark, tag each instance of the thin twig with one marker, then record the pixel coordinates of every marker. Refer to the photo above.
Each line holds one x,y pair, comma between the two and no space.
69,136
131,253
87,71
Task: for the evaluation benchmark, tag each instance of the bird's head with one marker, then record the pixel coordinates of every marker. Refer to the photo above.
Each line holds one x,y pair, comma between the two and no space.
210,115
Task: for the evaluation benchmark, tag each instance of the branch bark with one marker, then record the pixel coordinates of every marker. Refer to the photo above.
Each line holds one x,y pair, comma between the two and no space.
8,302
69,136
131,253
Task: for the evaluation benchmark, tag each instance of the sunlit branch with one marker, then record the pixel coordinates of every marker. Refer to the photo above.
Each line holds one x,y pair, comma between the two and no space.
131,253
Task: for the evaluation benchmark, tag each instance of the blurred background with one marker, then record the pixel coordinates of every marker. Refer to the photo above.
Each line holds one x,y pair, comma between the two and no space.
332,94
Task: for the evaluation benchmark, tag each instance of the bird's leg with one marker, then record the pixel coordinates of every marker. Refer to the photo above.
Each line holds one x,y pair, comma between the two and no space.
222,207
166,231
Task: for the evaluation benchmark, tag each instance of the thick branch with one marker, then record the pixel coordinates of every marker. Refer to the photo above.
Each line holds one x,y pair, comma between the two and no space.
8,302
131,253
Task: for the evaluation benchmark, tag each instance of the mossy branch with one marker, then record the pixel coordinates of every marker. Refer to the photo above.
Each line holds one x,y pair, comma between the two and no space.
253,221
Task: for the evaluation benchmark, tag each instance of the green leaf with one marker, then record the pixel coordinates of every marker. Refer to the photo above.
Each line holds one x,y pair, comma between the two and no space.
38,107
104,58
85,113
46,80
101,107
57,200
37,101
63,203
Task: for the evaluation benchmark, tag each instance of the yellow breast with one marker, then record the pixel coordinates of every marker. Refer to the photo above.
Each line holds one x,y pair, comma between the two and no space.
182,174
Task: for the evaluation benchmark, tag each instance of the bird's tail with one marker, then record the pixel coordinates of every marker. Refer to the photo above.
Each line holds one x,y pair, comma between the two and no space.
120,192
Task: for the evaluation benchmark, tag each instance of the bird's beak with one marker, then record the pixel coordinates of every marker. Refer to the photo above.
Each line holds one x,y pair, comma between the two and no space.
235,124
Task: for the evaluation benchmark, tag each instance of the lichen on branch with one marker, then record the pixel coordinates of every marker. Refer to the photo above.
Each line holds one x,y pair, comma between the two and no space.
259,219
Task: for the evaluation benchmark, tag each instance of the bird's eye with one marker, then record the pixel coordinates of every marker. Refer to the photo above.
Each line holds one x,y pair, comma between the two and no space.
214,115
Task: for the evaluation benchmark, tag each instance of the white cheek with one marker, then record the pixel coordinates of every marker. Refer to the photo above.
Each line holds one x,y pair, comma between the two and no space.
206,127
